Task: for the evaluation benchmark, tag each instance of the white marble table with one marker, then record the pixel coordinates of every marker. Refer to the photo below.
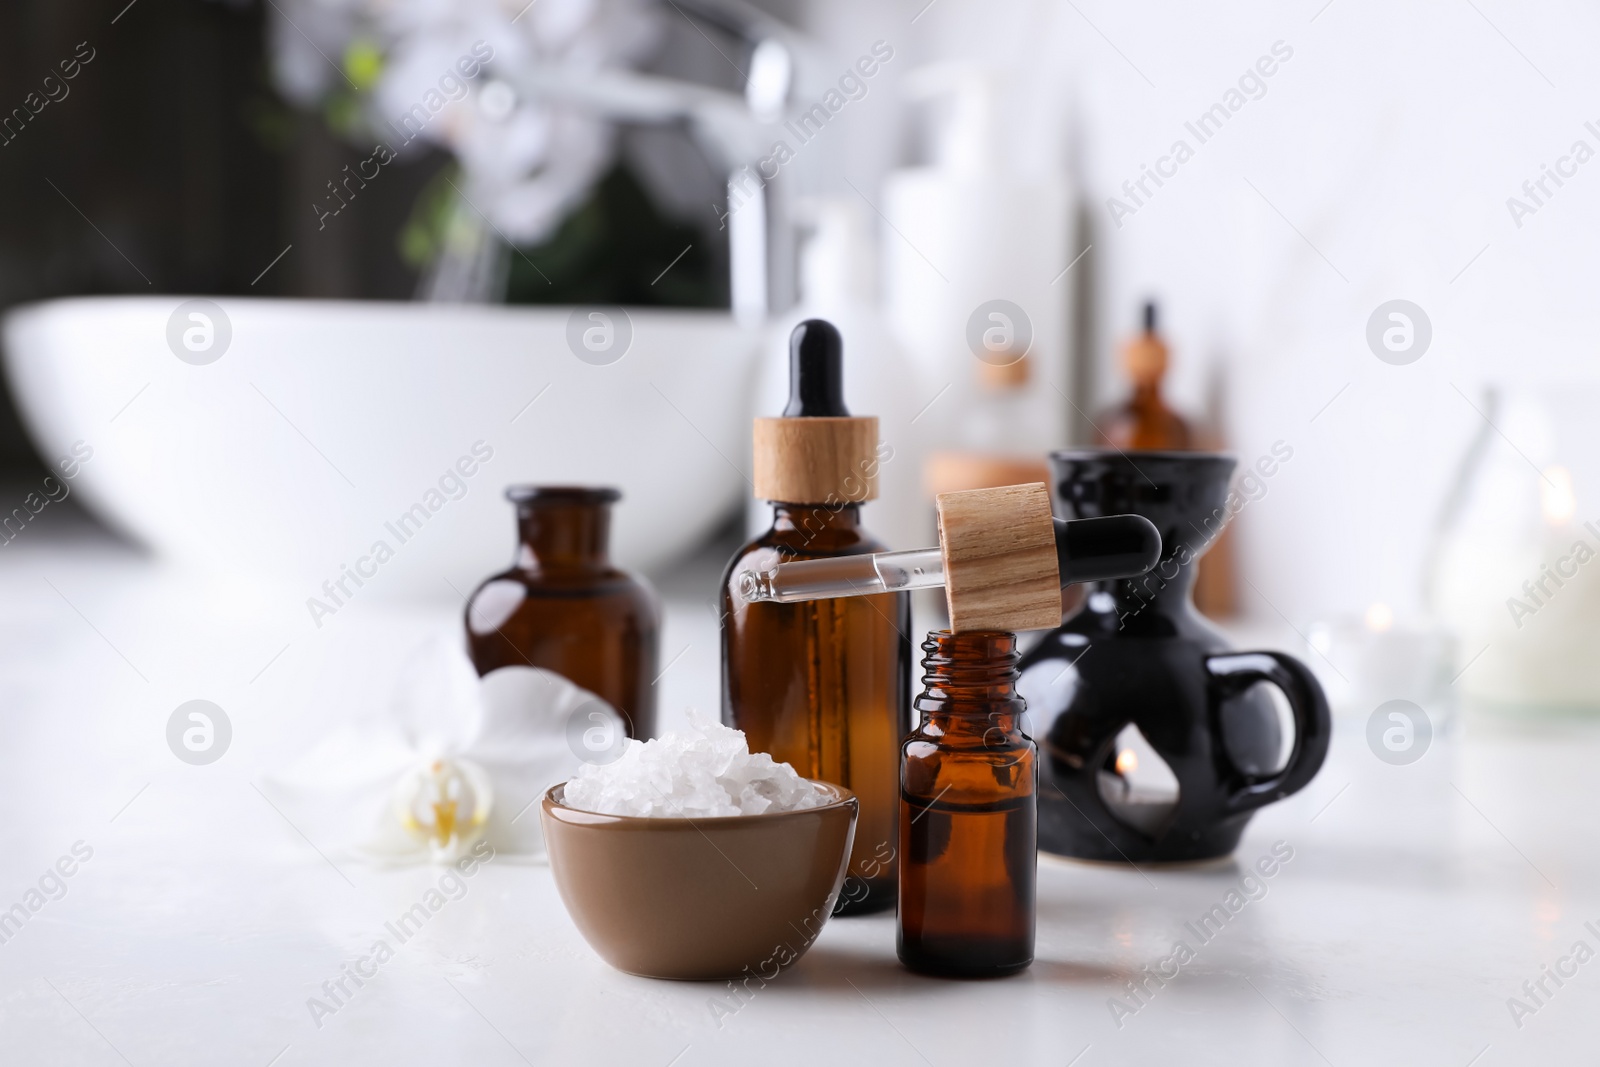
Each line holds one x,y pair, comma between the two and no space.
1417,901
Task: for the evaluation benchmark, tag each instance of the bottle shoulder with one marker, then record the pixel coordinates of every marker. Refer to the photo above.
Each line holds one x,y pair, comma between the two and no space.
1005,749
1145,424
781,545
976,736
503,594
967,777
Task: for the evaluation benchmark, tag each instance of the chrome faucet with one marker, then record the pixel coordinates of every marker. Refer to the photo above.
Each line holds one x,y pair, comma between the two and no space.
734,130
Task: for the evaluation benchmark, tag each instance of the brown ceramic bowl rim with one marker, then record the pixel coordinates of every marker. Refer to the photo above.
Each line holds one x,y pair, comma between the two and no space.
557,808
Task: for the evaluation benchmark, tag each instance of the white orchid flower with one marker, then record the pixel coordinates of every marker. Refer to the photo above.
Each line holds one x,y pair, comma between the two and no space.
455,759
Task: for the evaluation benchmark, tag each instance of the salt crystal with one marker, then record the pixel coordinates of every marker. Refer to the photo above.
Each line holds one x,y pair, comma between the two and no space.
705,771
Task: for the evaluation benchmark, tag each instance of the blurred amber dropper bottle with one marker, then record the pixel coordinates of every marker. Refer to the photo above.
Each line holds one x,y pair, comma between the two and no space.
1144,422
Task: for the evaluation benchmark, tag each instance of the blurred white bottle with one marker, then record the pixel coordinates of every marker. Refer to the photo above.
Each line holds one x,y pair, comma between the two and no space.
838,271
963,233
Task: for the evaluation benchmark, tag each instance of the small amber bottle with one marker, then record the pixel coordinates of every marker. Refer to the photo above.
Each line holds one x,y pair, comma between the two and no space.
562,605
967,815
822,685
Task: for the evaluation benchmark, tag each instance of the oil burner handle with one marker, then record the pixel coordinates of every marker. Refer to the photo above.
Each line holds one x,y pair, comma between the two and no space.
1234,672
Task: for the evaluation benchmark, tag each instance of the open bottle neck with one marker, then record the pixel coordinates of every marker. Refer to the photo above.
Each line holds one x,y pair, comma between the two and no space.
566,530
970,681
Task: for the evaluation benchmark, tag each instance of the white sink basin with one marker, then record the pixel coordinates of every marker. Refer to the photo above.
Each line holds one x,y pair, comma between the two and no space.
298,450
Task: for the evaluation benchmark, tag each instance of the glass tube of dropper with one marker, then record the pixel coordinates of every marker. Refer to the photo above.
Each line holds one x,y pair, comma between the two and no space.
1087,550
819,579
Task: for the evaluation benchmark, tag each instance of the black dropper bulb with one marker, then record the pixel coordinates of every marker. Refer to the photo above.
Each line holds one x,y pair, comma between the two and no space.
1149,316
1110,546
816,371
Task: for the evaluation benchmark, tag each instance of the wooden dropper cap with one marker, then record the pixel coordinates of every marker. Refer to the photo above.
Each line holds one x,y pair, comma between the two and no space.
1001,571
817,452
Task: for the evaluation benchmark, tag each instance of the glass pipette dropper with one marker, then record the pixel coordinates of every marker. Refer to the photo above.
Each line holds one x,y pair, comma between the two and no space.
1087,550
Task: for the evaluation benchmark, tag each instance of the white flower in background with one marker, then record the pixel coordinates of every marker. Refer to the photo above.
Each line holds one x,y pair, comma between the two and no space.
454,760
444,803
527,163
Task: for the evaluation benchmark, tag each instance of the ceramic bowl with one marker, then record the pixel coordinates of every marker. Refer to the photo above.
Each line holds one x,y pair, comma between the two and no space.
700,899
317,424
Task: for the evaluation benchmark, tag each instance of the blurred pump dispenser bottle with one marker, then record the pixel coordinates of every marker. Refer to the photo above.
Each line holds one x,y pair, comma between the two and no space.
973,254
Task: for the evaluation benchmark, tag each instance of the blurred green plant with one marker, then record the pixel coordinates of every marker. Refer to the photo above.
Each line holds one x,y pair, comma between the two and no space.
613,250
345,107
363,64
422,237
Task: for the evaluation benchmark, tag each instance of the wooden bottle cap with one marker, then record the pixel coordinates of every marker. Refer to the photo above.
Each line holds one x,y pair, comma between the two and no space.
817,453
817,460
1000,568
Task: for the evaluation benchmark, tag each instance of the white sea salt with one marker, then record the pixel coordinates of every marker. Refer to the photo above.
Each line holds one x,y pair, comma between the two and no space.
704,771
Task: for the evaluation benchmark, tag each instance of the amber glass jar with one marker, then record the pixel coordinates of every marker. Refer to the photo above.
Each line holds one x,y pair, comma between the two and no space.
967,816
822,685
564,607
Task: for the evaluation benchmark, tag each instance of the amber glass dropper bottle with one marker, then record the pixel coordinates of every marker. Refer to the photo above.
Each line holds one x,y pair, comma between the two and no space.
822,685
968,778
968,817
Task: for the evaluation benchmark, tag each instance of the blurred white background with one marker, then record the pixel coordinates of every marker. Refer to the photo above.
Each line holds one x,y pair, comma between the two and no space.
1375,163
1376,166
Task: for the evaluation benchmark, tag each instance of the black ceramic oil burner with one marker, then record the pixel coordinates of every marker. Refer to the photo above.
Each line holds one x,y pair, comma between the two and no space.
1204,743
